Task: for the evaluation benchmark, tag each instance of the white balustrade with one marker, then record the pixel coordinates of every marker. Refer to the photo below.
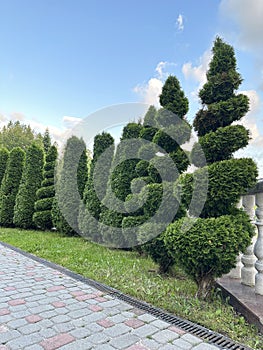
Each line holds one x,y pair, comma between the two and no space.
248,259
249,268
258,249
236,271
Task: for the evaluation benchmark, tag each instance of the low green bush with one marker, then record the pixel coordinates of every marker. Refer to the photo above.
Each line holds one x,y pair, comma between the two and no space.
207,248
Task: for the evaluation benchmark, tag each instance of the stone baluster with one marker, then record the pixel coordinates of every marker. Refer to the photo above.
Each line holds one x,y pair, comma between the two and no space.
258,249
248,259
236,271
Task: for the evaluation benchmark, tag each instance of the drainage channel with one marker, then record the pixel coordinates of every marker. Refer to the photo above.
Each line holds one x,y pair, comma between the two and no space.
211,337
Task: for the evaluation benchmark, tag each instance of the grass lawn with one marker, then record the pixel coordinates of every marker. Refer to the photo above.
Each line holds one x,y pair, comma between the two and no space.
136,276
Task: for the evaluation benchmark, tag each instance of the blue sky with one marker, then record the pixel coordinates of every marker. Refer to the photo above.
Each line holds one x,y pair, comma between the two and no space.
64,59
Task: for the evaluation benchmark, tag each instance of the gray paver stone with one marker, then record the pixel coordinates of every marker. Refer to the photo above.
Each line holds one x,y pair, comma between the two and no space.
24,341
79,333
98,338
191,339
165,336
160,324
117,330
9,335
29,328
183,344
124,341
145,331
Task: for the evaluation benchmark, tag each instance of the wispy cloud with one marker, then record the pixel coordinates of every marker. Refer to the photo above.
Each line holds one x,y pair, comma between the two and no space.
180,22
70,122
150,91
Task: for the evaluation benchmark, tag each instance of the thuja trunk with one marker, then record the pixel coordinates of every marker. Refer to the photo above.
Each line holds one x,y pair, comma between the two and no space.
205,285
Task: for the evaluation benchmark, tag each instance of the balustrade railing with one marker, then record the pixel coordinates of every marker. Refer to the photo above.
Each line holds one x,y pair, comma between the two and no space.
250,264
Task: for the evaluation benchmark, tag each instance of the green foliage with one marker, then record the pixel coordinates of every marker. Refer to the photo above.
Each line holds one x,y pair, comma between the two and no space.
157,249
122,176
131,131
46,141
221,114
142,168
172,97
207,248
221,144
82,172
103,150
166,142
148,132
4,155
180,159
110,227
149,118
15,134
10,185
68,186
130,226
43,205
222,76
46,191
45,194
227,181
30,183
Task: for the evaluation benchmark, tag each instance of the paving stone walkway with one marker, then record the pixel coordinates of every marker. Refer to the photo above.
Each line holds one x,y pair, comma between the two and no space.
42,308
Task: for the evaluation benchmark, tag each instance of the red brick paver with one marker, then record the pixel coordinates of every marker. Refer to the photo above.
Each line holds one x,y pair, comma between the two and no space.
134,323
4,312
137,347
55,288
105,323
16,302
58,304
57,341
95,308
33,318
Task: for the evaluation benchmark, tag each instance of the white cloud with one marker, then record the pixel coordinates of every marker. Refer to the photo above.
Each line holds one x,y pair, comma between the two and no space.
180,22
70,122
253,118
17,116
248,15
197,73
150,92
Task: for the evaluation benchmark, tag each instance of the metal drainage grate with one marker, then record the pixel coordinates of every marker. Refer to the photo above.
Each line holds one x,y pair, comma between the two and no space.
210,336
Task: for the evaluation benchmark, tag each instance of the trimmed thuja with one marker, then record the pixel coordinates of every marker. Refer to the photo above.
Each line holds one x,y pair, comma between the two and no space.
30,183
210,246
71,179
95,189
4,154
10,185
45,195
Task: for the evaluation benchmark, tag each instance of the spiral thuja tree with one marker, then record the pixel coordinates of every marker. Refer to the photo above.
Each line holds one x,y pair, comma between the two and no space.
46,193
123,171
148,198
210,246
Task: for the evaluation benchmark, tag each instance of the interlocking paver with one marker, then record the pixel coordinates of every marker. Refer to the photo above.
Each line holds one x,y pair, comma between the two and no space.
44,309
57,341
